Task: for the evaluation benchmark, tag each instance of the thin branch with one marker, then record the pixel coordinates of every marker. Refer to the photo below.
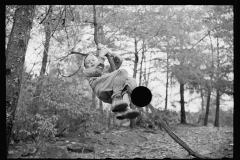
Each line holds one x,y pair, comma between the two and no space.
61,13
208,33
156,33
46,14
71,11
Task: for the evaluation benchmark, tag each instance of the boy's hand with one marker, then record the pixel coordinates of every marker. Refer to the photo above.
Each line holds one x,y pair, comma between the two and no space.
116,58
103,50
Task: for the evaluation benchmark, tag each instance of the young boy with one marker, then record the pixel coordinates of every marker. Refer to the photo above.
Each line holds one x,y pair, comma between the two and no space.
114,87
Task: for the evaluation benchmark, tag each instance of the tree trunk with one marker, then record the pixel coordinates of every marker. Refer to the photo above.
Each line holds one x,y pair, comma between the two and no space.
183,115
202,97
216,123
209,87
201,116
140,75
96,41
15,57
37,93
166,98
93,106
207,107
136,59
132,121
148,75
101,106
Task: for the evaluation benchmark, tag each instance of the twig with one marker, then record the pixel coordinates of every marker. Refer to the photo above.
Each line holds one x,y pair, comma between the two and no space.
61,12
142,136
46,14
208,33
65,28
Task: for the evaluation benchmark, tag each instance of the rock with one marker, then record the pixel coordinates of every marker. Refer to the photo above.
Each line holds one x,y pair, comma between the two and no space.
54,151
80,148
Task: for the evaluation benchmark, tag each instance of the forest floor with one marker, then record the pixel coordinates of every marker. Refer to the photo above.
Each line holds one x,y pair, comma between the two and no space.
137,143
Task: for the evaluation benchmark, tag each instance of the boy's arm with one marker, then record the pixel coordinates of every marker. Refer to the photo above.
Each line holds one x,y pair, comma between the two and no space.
117,61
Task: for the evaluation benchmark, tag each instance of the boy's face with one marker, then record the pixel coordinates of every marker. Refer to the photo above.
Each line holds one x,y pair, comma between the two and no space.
90,61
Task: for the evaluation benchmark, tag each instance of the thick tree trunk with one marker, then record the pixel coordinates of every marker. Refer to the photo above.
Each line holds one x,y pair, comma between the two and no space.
15,57
37,93
183,115
207,107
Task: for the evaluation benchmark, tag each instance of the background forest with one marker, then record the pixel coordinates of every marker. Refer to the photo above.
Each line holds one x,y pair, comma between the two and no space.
183,54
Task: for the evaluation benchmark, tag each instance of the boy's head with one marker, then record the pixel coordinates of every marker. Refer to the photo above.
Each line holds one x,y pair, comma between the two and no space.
90,60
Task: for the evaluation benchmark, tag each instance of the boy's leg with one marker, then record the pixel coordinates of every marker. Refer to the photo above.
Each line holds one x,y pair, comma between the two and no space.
129,112
118,104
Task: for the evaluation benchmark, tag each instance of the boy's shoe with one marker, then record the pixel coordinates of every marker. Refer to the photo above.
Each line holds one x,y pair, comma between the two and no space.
118,105
128,113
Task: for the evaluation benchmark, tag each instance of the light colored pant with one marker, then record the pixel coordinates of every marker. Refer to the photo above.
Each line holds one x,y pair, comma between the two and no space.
111,84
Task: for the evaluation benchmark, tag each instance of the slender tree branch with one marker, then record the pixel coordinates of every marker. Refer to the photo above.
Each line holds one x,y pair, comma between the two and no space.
46,14
59,19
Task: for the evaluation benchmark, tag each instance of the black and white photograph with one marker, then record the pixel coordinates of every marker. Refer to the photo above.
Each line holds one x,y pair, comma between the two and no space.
119,81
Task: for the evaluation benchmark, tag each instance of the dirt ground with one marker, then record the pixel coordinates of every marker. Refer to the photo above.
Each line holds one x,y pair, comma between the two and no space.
137,143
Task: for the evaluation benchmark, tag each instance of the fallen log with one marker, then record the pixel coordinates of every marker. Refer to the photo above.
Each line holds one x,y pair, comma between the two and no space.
175,137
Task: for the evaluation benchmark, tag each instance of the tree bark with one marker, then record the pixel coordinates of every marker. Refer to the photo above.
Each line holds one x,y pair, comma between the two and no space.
136,59
166,98
93,106
216,123
37,93
132,121
141,63
101,106
209,86
15,57
202,97
201,116
96,41
183,115
207,107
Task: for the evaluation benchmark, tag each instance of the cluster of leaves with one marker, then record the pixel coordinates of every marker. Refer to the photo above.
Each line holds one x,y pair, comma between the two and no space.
64,105
33,127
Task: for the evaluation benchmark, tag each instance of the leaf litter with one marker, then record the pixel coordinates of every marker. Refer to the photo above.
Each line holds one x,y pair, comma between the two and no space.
208,141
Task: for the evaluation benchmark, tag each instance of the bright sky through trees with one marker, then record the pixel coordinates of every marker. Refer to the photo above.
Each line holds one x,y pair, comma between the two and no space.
35,49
